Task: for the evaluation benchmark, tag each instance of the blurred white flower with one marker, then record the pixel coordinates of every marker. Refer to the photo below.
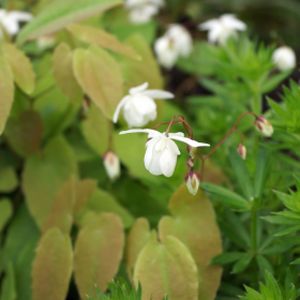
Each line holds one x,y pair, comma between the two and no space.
141,11
176,42
10,20
161,150
284,58
220,29
112,165
139,107
264,126
192,182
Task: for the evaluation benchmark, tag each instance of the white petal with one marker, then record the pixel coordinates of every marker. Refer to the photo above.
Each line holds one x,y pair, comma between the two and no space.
139,88
158,94
151,132
168,162
188,141
210,24
152,158
20,16
118,109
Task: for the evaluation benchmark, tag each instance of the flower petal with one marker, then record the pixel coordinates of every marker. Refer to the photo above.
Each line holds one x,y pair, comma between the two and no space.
118,109
167,161
20,16
188,141
139,88
152,133
158,94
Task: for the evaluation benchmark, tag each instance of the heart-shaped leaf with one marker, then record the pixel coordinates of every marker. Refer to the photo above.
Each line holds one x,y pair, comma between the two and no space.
98,252
193,222
99,75
166,268
52,267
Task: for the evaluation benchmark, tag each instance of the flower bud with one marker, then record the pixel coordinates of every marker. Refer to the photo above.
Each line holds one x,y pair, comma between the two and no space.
264,126
242,151
112,165
284,58
192,182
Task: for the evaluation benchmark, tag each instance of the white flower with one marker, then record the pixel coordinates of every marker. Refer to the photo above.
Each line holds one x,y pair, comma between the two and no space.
176,42
161,150
284,58
219,30
10,20
112,165
139,107
141,11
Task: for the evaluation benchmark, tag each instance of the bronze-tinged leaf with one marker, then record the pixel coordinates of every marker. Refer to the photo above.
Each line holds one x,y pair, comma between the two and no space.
57,14
99,37
52,267
71,197
6,91
100,77
21,67
194,224
96,130
44,174
98,252
145,70
24,133
166,268
63,71
138,237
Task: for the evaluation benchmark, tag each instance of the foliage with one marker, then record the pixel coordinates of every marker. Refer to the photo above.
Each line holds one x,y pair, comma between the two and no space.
69,231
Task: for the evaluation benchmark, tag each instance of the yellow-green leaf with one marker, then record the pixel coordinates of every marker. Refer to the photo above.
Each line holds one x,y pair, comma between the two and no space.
194,223
59,13
99,37
145,70
63,71
96,130
6,91
98,252
100,77
21,67
52,267
138,237
166,268
8,179
44,174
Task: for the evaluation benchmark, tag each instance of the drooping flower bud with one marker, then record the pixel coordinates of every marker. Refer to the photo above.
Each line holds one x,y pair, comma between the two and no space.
192,182
242,151
264,126
112,165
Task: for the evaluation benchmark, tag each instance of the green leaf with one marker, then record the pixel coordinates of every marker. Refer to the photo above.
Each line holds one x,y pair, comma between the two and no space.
226,196
44,174
52,267
98,252
99,75
138,237
242,263
166,268
99,37
21,67
262,168
242,174
6,91
96,130
8,289
8,179
5,211
24,133
63,72
190,212
58,14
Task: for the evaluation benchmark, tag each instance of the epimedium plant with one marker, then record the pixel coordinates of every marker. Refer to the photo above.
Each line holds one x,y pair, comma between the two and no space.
83,202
